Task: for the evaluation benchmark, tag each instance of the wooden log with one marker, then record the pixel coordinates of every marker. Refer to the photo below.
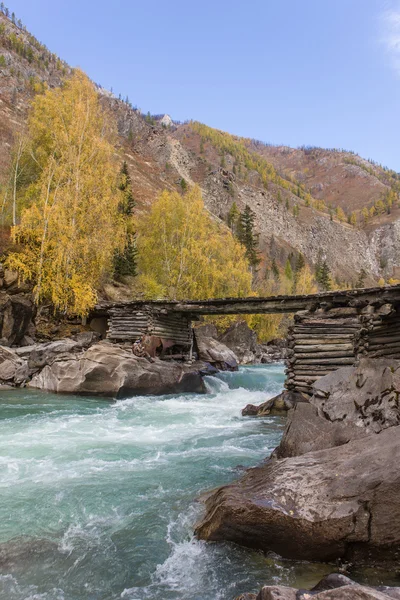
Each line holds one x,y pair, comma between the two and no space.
326,354
311,341
383,339
373,346
323,348
389,353
317,336
327,361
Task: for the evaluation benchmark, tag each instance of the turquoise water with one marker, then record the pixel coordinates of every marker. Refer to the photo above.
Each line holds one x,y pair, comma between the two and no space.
97,498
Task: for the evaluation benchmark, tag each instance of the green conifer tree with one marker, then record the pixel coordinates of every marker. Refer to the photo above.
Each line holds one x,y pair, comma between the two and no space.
288,270
233,216
247,236
325,277
125,185
125,262
275,270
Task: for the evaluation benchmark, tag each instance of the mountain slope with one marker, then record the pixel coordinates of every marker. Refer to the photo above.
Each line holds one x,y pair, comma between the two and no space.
294,192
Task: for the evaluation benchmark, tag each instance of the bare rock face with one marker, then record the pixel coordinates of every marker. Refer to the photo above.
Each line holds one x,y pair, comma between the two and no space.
306,432
108,370
214,352
331,587
16,314
13,369
242,341
365,397
318,506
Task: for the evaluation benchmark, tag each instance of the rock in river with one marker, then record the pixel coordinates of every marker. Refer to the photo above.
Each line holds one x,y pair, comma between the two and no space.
109,370
319,506
331,587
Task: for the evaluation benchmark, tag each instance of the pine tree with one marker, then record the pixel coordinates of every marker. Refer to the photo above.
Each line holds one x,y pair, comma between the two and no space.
325,277
279,197
275,270
183,185
287,203
125,185
233,216
318,267
300,263
248,237
288,270
125,263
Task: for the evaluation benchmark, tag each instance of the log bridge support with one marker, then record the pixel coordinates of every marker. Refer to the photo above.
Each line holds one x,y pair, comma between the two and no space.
330,330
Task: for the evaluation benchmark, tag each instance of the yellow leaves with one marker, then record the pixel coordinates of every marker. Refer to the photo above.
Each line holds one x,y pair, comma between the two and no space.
340,214
70,225
185,252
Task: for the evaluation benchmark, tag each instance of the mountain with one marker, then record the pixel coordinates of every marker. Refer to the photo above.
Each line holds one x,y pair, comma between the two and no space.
325,203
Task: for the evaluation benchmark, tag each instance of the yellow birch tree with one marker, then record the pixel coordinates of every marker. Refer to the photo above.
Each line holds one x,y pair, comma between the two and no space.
184,253
70,225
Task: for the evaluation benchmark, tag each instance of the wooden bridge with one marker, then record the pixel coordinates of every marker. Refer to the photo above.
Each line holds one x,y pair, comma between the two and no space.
330,330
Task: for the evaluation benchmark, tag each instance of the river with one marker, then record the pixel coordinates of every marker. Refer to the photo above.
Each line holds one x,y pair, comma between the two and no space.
98,498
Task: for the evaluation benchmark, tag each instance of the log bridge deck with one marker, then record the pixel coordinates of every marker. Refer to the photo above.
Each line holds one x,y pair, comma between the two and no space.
330,330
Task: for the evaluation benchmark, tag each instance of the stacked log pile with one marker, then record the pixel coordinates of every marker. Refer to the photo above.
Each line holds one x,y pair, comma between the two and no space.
383,337
128,323
320,342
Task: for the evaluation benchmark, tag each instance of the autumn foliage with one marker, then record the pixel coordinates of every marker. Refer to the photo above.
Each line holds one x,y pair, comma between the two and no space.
70,226
184,253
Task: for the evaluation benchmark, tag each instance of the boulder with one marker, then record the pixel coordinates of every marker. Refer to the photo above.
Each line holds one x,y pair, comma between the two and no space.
242,341
16,314
44,354
365,396
108,370
331,587
279,405
306,431
214,352
322,505
12,367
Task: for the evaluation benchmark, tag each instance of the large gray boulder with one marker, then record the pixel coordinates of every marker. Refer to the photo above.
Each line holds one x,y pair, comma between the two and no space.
108,370
318,506
306,431
13,369
214,352
242,341
366,397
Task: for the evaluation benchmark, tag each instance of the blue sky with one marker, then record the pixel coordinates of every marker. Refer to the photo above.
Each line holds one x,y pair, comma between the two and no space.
314,72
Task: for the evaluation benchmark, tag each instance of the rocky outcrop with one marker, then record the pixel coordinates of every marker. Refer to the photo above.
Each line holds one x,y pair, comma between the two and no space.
16,314
318,506
13,369
109,370
306,431
365,397
242,341
331,587
279,405
214,352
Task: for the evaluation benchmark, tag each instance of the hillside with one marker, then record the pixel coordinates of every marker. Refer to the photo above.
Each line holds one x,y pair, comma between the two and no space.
295,193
